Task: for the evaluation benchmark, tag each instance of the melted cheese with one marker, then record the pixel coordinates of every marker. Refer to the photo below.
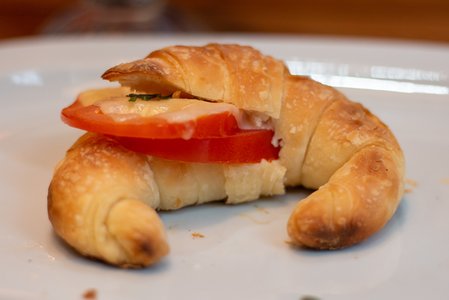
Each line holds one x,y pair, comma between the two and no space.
92,96
115,103
171,110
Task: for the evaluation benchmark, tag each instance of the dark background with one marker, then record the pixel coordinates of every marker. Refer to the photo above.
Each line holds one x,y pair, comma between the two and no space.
418,20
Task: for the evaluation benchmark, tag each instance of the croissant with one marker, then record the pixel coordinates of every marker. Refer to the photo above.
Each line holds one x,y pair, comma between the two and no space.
103,197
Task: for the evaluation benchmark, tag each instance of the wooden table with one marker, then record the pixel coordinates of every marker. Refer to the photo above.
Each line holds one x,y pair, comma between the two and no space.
424,20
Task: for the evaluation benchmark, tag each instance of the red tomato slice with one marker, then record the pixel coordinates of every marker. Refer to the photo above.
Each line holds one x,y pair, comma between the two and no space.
91,118
249,146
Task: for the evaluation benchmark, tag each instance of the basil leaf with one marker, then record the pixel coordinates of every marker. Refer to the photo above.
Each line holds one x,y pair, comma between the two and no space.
146,97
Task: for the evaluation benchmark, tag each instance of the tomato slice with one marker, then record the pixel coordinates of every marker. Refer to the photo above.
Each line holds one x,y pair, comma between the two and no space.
209,138
248,146
91,118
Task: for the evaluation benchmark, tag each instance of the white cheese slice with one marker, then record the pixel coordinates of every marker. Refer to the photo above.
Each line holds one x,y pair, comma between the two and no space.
115,103
172,110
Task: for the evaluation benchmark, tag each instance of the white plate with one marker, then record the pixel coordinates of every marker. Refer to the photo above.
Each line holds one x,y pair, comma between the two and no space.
244,254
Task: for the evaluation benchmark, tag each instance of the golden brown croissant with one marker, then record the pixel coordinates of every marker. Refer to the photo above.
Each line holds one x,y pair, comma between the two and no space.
103,197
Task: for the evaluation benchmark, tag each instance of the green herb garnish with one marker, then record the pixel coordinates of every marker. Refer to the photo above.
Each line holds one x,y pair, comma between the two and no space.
146,97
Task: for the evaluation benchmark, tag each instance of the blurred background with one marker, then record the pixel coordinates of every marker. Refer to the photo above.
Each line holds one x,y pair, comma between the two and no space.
418,20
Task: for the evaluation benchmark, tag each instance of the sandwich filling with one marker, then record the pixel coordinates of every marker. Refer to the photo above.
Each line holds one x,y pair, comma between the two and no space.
156,124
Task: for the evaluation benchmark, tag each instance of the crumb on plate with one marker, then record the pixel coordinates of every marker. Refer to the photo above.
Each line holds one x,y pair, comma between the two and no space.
410,184
90,294
197,235
445,181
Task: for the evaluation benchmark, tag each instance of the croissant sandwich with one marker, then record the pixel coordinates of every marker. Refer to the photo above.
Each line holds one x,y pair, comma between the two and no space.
190,125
